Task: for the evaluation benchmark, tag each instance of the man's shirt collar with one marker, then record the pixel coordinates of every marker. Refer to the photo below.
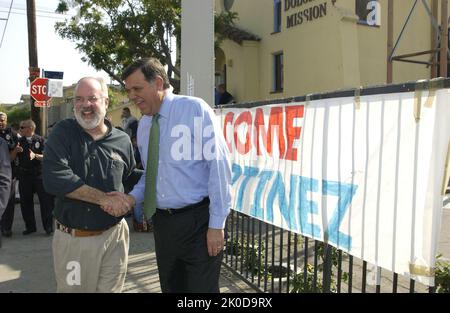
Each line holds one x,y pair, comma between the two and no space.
165,105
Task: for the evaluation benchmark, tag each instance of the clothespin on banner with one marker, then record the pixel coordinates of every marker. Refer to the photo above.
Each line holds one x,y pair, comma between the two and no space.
307,99
434,84
421,270
421,86
358,98
447,171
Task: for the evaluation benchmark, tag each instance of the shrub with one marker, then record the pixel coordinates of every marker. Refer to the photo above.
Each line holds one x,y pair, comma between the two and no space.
442,276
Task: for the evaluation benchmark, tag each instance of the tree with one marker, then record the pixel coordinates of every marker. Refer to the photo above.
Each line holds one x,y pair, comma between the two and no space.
16,114
113,33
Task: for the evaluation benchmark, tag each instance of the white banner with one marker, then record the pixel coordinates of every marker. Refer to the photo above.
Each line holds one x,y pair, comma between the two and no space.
364,176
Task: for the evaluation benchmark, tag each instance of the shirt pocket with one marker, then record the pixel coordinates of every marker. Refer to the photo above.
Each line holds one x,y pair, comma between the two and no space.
115,174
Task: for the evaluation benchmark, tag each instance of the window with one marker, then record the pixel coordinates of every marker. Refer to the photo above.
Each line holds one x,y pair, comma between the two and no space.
369,12
276,16
277,72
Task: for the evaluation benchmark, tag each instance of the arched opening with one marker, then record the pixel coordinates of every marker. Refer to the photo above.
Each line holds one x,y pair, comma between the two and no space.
220,72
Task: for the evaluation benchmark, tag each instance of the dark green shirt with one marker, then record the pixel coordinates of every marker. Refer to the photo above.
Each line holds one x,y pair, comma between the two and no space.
73,159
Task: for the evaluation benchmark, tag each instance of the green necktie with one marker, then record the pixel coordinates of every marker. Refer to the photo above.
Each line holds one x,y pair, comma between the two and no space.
152,169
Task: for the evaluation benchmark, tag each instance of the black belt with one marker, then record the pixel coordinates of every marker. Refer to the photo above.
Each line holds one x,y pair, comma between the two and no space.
170,211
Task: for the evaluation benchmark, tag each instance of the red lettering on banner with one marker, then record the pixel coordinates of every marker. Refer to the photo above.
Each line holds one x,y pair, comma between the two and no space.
259,121
228,120
244,117
281,125
275,126
293,132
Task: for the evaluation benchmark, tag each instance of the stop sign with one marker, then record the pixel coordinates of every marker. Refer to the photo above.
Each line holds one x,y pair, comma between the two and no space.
39,89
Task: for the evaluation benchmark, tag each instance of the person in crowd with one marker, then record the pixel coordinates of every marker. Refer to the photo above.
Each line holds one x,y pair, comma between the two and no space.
187,197
137,155
12,140
86,158
225,96
5,176
30,155
129,122
216,97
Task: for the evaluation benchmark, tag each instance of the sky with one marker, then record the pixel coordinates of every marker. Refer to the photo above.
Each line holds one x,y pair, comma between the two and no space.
54,53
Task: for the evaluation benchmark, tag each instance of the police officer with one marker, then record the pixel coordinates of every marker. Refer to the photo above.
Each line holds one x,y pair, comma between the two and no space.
11,139
30,179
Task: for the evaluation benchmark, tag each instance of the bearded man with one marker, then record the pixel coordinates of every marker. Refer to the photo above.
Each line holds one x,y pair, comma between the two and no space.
86,158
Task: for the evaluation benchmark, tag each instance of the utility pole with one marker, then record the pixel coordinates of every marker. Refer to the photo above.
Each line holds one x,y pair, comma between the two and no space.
33,59
390,41
444,38
434,39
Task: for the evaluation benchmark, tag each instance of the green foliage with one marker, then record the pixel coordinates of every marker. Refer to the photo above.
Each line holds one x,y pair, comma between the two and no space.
251,257
322,251
114,94
221,22
298,282
442,276
300,285
17,114
233,247
112,34
250,254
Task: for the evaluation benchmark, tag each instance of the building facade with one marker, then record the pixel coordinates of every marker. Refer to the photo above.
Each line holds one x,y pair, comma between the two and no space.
62,108
287,48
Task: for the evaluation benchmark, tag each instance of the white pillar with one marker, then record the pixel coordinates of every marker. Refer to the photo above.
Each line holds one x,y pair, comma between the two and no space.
197,49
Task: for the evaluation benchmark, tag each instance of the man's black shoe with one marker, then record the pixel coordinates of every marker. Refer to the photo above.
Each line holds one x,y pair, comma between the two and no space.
6,233
28,231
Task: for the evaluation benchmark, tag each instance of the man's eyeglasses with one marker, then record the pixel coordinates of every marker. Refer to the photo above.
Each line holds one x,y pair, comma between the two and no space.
91,99
22,127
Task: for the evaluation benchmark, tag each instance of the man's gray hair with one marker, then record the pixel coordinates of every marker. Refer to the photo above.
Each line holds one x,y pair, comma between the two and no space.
29,123
3,114
104,86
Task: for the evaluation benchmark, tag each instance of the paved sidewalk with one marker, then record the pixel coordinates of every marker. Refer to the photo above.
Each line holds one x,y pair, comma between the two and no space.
26,263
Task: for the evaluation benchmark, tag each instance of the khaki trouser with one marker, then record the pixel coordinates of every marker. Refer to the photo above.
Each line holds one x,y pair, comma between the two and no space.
91,264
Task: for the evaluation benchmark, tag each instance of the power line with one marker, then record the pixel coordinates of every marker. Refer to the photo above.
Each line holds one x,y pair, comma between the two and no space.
38,15
21,6
37,10
6,24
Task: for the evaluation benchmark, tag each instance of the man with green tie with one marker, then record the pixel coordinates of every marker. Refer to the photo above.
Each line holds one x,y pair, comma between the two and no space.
187,181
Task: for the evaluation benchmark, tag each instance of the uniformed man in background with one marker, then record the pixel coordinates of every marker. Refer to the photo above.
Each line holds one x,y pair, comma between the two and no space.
30,179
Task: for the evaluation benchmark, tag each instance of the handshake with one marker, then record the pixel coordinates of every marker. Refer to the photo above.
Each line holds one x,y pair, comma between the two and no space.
117,203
